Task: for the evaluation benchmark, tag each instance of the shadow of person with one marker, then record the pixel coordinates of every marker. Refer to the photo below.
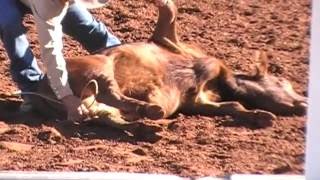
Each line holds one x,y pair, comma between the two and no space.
9,113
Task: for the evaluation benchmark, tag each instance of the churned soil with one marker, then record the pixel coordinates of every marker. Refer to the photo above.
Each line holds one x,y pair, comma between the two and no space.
190,145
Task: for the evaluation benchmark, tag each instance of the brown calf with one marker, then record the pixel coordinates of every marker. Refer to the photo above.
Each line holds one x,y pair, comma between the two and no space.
158,78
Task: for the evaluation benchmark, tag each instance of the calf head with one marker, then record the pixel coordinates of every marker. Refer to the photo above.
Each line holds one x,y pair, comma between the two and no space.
265,91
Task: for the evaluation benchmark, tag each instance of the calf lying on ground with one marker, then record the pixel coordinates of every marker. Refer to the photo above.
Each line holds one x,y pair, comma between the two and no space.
158,78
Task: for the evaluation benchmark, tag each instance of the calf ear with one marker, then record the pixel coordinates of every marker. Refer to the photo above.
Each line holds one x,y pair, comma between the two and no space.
91,88
262,65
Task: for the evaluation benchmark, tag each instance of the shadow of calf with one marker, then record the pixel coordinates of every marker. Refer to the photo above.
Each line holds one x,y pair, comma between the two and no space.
10,114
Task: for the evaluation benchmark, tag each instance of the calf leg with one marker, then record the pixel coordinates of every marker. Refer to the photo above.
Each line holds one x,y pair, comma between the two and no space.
165,33
167,98
110,115
132,109
203,105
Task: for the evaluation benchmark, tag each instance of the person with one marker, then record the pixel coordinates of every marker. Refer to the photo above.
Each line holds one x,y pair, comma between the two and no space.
52,18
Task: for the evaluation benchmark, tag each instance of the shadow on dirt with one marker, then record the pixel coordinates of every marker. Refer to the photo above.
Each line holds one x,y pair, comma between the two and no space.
9,113
253,125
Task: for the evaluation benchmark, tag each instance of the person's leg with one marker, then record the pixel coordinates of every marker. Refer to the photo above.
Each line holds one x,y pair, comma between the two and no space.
24,68
92,34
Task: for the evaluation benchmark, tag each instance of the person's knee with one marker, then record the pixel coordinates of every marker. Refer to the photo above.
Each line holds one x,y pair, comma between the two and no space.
76,13
91,33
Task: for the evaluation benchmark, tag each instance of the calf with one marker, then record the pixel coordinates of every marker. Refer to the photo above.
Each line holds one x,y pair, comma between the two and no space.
158,78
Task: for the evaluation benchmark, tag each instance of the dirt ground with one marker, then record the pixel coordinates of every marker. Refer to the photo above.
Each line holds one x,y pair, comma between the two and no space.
191,145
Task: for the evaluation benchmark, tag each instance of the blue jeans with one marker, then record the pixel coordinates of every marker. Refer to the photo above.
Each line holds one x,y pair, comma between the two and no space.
78,23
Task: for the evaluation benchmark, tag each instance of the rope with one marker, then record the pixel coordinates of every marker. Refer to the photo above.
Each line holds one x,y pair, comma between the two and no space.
19,93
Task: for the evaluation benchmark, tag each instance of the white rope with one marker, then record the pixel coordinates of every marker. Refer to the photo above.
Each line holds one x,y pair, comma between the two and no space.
42,96
20,93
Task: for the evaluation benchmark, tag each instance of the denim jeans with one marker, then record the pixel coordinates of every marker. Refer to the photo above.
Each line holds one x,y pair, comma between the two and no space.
78,23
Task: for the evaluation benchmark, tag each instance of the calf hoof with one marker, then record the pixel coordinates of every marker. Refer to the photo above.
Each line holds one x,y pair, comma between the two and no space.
301,108
258,118
154,112
262,118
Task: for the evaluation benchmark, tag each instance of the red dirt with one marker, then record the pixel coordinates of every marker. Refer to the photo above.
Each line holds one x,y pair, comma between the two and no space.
191,146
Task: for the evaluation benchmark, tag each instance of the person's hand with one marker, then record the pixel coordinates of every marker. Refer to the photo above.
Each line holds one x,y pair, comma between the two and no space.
75,109
64,1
